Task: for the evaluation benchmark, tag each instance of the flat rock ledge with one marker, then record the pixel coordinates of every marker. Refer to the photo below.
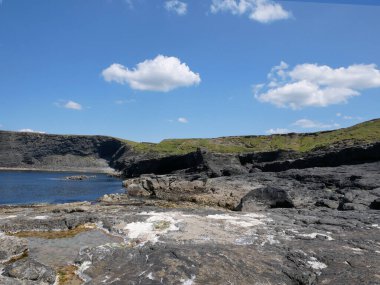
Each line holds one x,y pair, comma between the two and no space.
309,226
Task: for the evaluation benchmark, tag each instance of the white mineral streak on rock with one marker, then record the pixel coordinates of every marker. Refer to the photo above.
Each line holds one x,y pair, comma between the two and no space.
188,281
150,229
314,235
356,249
80,272
315,264
8,217
247,220
269,239
40,217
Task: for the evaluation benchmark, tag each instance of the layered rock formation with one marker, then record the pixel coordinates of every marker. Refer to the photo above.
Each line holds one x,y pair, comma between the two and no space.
56,152
281,216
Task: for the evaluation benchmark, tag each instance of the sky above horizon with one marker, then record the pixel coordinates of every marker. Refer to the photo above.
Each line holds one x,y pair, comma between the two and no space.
148,70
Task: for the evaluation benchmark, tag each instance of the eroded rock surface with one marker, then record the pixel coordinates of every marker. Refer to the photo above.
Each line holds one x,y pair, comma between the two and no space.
193,244
349,187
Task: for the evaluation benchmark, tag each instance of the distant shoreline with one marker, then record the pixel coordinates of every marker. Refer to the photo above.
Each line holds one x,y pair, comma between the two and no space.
81,170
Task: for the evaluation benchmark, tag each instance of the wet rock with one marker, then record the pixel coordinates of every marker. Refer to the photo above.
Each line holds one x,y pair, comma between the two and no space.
29,269
79,177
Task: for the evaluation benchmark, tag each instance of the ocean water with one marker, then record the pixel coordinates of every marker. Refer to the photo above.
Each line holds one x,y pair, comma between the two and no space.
28,187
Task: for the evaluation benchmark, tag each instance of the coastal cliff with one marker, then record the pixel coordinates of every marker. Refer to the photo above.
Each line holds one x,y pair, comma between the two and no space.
216,157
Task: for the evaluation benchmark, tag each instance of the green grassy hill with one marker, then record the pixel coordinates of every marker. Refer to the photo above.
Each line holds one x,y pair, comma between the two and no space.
366,132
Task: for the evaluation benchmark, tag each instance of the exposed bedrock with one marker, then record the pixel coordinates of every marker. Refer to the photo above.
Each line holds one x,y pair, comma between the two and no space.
216,164
30,270
349,187
56,152
200,245
61,152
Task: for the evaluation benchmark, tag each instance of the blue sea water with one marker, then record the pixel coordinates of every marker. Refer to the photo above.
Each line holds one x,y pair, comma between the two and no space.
29,187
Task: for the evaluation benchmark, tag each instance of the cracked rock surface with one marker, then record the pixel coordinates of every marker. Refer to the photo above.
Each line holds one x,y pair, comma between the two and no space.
308,226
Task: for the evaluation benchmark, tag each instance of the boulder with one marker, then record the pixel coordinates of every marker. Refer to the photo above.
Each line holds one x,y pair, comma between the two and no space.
30,269
264,198
11,246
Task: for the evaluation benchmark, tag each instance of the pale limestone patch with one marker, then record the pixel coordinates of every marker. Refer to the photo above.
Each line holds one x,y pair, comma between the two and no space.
315,264
80,272
247,220
356,249
270,239
314,235
148,230
40,217
188,281
8,217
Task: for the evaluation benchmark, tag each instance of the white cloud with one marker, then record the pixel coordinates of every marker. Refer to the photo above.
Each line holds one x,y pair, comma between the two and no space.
263,11
346,117
176,6
68,105
183,120
309,124
316,85
162,74
73,105
122,102
277,131
30,131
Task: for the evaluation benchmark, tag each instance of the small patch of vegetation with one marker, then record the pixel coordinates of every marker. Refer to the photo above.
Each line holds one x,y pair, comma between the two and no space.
161,225
24,254
67,275
54,234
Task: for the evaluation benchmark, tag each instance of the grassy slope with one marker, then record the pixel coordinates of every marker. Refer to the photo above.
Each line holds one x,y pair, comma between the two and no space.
362,133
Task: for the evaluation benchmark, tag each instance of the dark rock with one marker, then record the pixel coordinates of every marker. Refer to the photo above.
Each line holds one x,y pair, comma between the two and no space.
29,269
327,203
375,205
264,198
353,206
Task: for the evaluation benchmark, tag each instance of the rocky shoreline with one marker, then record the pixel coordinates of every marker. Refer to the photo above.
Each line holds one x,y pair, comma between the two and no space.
277,217
312,226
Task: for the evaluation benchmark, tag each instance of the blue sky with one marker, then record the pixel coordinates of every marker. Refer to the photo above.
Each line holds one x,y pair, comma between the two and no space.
147,70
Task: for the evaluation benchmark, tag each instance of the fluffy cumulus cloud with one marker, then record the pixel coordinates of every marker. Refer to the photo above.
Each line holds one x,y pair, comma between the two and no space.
310,124
176,6
316,85
30,131
277,131
182,120
161,74
263,11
